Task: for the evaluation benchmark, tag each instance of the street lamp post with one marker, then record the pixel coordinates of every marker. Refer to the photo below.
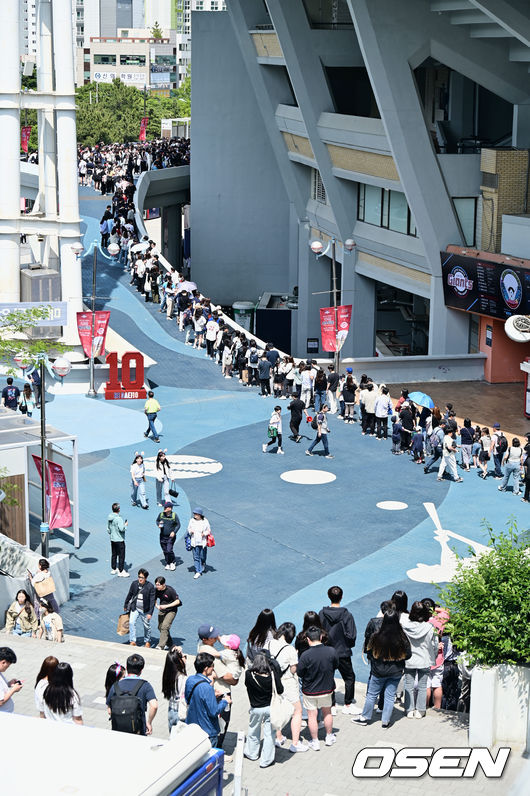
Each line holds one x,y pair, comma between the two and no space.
317,247
113,250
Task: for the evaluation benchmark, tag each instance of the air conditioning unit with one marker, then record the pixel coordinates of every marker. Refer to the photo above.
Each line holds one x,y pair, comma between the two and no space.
41,285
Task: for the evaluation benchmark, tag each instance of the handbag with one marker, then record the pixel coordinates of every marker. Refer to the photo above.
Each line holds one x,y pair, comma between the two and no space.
123,625
187,542
24,407
173,492
210,541
281,710
44,587
183,705
272,432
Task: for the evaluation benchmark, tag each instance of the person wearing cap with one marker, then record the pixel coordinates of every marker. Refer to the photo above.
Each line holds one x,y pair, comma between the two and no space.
228,666
199,530
203,707
495,450
169,524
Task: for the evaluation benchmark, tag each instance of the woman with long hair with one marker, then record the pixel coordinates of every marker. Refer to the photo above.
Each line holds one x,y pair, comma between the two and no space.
173,682
162,473
138,481
262,632
388,649
258,680
21,619
424,643
26,402
115,672
282,651
311,619
61,700
51,624
41,683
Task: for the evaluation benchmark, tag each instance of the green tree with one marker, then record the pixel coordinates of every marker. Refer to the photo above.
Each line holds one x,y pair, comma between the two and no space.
489,601
184,96
156,31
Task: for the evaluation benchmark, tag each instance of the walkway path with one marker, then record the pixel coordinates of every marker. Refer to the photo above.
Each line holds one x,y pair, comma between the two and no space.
279,544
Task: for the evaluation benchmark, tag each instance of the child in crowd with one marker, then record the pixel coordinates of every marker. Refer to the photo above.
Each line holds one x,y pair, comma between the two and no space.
417,446
396,435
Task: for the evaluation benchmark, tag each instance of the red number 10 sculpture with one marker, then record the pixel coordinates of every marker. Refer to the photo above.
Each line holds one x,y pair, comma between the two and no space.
127,387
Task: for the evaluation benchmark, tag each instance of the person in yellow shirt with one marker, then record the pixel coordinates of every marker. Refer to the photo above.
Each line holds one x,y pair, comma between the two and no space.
151,409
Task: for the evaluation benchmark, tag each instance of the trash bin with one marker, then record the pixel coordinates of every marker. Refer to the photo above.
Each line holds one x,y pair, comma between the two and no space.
243,311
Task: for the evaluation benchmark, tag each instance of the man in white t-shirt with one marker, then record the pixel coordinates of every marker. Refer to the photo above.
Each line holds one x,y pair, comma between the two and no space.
7,687
448,458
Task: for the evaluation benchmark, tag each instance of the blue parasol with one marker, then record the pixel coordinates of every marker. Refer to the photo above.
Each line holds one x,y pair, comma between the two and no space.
421,399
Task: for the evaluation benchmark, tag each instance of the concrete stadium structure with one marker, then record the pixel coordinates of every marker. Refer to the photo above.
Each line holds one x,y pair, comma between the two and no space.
364,119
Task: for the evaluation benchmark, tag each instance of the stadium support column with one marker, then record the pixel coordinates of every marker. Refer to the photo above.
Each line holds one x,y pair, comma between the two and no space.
47,157
172,235
10,137
71,286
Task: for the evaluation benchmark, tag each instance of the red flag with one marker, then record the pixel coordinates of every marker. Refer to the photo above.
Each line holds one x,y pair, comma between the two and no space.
25,133
93,346
143,127
57,500
327,328
343,324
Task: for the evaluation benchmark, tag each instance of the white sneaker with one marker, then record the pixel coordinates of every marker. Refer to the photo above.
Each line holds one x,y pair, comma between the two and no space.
114,571
334,711
197,575
314,745
264,447
330,739
168,566
411,714
282,453
279,742
172,566
299,747
123,574
351,710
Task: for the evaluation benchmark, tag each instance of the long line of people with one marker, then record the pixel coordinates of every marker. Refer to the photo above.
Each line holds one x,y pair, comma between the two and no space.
289,678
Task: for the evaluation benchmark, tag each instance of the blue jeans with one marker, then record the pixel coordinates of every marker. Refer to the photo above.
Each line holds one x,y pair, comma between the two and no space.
199,557
421,697
151,417
320,399
172,718
375,685
511,468
497,460
162,491
163,303
259,717
138,493
18,632
324,439
437,454
134,616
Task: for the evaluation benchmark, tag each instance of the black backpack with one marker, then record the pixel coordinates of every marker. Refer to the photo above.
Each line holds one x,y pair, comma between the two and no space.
126,710
314,423
502,444
254,358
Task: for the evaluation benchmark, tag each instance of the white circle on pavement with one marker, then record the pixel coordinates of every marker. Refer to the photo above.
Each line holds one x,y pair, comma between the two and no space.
392,505
182,466
308,477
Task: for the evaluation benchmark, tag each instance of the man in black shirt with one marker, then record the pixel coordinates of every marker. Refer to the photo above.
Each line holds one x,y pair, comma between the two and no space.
168,605
264,375
297,408
169,524
10,395
339,624
333,383
316,668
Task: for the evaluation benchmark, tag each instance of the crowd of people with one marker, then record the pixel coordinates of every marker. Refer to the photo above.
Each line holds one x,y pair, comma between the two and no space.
289,677
106,166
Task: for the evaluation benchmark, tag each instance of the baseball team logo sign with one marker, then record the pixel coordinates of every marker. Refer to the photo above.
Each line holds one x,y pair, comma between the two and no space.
511,289
459,281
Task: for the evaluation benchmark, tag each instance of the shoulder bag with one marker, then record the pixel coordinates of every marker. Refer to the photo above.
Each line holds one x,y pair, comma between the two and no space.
281,709
44,587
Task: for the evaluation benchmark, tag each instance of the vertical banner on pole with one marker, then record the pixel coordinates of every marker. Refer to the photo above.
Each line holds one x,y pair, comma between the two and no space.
93,347
57,500
327,328
143,127
343,324
25,133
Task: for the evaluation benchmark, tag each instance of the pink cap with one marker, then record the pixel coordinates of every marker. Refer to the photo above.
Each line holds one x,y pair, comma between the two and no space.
232,641
439,619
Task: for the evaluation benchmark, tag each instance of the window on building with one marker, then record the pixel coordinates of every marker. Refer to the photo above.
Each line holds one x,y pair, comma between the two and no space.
384,208
107,59
332,14
132,60
318,192
165,60
466,210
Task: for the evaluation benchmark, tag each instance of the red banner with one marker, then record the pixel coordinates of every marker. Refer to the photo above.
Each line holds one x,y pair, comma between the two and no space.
96,346
327,328
57,500
343,324
143,127
25,133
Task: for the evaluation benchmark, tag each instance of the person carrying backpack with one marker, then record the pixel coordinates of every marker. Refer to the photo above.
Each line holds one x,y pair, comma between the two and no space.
169,524
130,698
320,424
436,442
499,446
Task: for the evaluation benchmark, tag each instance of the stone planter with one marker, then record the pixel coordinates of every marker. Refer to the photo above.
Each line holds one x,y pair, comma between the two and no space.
500,706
